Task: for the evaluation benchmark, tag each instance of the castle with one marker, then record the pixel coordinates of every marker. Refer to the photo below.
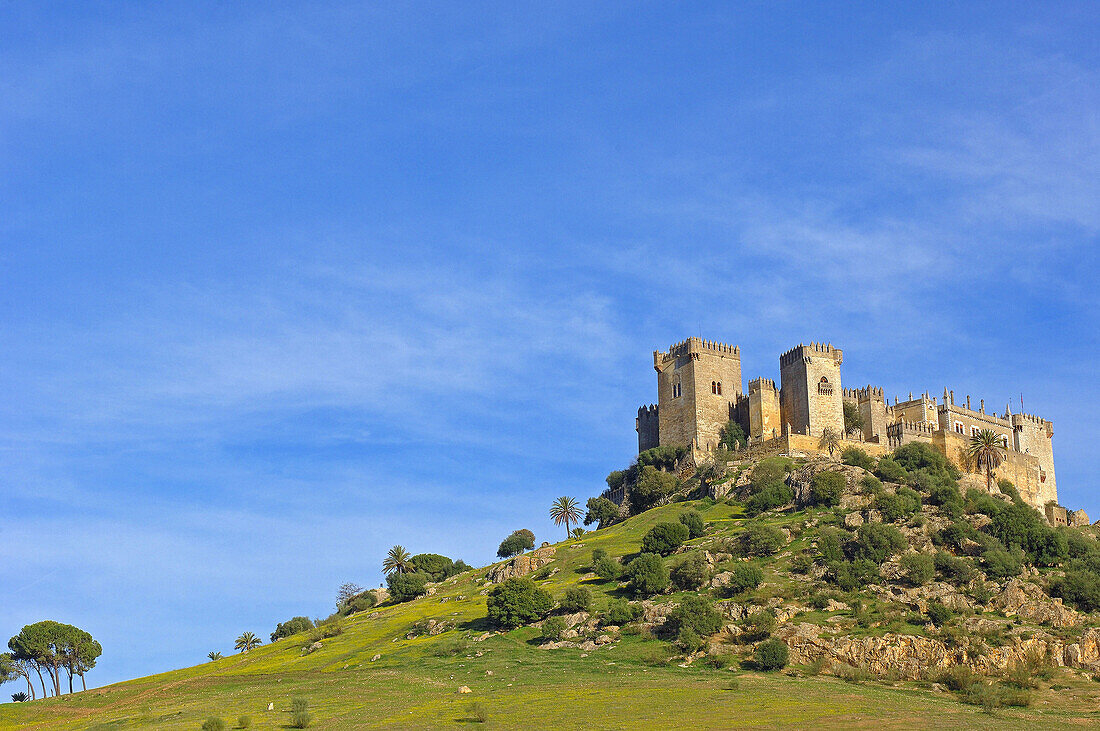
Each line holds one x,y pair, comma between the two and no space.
699,390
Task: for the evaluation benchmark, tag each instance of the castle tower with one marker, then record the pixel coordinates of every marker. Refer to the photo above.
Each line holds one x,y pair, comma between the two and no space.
811,395
764,414
1035,436
698,381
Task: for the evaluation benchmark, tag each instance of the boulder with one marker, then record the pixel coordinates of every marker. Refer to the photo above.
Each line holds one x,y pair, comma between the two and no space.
1030,602
521,565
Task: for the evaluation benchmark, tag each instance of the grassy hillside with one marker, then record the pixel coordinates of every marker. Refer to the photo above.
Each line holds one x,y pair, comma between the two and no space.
414,682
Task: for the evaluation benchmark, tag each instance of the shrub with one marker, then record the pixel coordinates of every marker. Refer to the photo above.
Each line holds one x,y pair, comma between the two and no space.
301,719
244,722
733,435
956,570
758,626
694,522
1007,488
745,577
404,587
576,599
652,486
1079,588
213,724
664,458
919,568
1000,565
920,456
948,497
956,534
826,488
607,568
601,511
890,471
876,542
597,554
620,611
830,543
852,575
359,603
762,540
516,543
553,628
770,655
870,484
769,472
690,573
696,613
894,507
857,458
664,538
689,640
517,601
768,499
647,575
438,568
478,712
290,627
938,614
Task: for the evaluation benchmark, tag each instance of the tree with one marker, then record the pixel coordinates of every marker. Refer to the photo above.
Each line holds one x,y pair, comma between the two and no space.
576,599
214,656
80,655
437,567
601,511
12,669
690,573
346,592
694,522
853,420
771,655
987,450
292,626
565,510
647,574
830,440
247,641
405,587
664,538
652,487
397,559
827,487
53,646
518,601
733,436
516,543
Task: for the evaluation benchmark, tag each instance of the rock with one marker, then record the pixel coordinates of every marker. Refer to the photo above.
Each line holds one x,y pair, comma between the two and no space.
853,520
271,706
380,594
587,645
873,516
603,639
489,672
522,564
464,689
1030,602
721,579
483,637
315,646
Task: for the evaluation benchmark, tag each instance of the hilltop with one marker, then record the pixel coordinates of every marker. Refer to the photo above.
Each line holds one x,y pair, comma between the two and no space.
901,602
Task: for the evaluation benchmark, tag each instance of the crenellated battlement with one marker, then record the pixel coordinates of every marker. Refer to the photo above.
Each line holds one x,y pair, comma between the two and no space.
1030,417
699,345
813,349
647,412
760,384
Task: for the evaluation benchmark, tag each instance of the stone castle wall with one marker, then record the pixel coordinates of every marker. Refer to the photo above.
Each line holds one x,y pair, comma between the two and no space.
811,395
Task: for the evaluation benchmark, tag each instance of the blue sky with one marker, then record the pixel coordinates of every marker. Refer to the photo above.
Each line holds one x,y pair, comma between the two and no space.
282,285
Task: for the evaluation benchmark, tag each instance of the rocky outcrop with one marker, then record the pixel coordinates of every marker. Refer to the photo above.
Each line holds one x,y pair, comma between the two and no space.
522,564
1028,601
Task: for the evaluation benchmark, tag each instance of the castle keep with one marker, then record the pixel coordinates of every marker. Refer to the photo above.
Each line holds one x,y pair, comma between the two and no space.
699,390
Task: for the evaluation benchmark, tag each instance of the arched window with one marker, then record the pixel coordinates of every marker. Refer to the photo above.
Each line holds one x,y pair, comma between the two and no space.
959,427
676,388
714,387
719,388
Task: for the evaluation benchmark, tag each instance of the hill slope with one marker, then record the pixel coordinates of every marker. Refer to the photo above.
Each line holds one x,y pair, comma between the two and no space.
390,667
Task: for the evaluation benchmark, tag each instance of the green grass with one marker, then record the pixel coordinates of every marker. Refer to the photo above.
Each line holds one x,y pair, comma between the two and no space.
415,682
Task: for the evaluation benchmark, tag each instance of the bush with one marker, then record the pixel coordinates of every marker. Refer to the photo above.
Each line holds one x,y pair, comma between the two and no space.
576,599
689,640
244,722
607,568
890,471
690,573
830,543
770,655
620,611
647,575
857,458
694,522
852,575
877,542
517,601
601,511
956,570
359,603
1000,565
733,436
938,614
696,613
664,538
438,568
597,554
404,587
516,543
290,627
478,712
745,577
1079,588
920,456
553,628
894,507
301,719
758,626
664,458
768,499
213,724
762,540
652,486
826,488
870,484
919,568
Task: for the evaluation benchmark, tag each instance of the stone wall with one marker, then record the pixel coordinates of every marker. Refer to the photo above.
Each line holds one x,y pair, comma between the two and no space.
647,424
811,397
697,382
764,416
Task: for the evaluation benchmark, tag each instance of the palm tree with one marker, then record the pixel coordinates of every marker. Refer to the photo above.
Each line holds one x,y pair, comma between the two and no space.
830,439
397,559
246,642
214,656
565,510
987,450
